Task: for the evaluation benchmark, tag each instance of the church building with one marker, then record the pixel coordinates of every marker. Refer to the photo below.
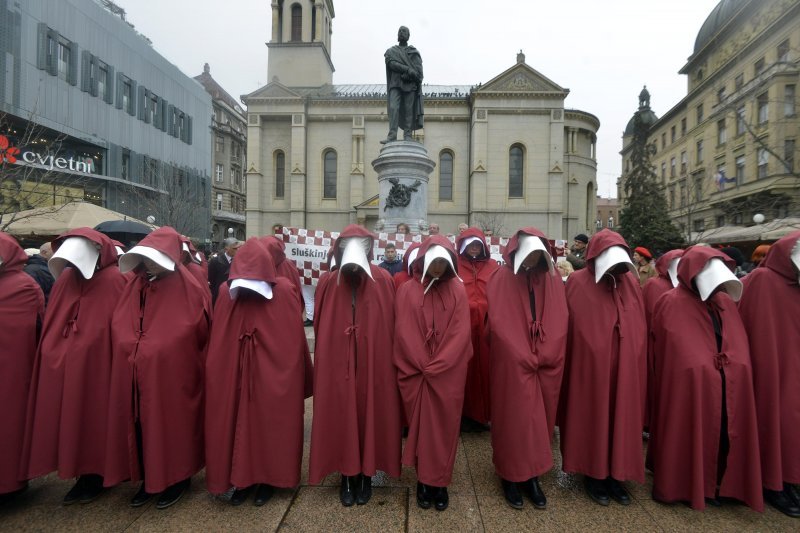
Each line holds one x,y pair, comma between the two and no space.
508,152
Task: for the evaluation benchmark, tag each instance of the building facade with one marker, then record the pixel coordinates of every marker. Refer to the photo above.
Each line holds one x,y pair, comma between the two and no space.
508,152
727,151
229,156
95,113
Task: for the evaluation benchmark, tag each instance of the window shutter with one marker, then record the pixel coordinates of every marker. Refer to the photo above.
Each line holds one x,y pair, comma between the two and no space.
73,63
163,113
86,70
140,103
41,42
137,164
52,58
134,88
188,130
146,107
109,97
119,90
170,121
95,67
114,161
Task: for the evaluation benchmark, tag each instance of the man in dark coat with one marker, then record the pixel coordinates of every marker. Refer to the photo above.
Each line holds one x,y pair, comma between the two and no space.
36,267
220,266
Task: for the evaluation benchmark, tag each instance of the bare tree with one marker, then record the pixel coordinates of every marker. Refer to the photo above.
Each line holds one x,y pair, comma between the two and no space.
493,222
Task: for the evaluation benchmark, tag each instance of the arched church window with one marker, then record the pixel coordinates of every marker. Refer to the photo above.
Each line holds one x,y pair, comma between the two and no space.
516,158
446,175
329,174
297,23
280,174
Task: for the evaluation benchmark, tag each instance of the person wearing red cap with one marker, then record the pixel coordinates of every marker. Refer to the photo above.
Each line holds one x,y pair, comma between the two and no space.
642,258
159,332
67,411
22,309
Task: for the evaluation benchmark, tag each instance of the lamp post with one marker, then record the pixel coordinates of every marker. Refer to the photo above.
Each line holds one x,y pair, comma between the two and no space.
758,218
151,219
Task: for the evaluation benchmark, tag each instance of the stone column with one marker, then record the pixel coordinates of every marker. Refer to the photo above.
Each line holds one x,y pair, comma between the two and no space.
297,191
276,17
317,37
403,169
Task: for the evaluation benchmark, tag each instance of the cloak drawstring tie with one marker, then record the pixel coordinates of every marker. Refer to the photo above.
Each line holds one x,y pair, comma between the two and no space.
247,347
721,360
352,333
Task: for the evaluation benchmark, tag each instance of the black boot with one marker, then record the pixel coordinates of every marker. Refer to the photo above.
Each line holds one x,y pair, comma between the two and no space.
364,489
597,490
440,498
512,494
74,494
618,491
92,487
240,495
783,501
535,493
347,492
263,494
423,496
141,497
173,494
8,497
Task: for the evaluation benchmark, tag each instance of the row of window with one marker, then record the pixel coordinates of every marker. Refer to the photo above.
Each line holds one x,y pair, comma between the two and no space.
516,162
58,56
236,175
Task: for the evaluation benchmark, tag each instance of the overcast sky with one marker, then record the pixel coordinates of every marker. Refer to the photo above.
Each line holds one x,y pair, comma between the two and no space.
604,51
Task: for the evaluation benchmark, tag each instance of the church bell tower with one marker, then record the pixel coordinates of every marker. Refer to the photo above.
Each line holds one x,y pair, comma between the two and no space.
299,50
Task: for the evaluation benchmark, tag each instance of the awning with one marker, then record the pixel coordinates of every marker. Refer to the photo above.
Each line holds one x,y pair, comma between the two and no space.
55,220
770,231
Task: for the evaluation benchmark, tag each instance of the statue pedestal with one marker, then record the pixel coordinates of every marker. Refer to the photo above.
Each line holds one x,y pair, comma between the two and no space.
403,168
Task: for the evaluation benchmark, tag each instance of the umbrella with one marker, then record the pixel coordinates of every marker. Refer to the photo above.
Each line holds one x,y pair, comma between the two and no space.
123,226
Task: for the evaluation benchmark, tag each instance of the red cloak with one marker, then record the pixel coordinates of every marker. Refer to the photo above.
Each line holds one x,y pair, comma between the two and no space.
687,395
22,309
476,274
283,268
603,392
403,276
196,265
356,424
769,308
159,332
255,380
527,364
431,351
68,407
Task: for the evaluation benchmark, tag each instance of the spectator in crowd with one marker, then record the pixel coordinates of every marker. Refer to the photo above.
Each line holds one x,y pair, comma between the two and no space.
254,400
565,269
462,227
36,267
403,229
406,273
758,255
356,425
22,309
740,269
643,260
220,265
195,263
277,229
431,352
527,328
769,308
67,412
703,427
433,229
46,251
577,251
391,263
603,394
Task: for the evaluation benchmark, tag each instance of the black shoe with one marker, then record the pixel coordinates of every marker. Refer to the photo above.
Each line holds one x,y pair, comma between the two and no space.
347,492
92,487
364,489
141,497
74,494
423,496
308,323
512,494
783,501
596,489
618,491
440,498
9,496
468,425
712,502
240,495
535,493
263,494
173,494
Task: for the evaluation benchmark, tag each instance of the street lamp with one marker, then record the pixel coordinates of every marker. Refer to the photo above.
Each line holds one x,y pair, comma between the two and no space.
151,219
758,218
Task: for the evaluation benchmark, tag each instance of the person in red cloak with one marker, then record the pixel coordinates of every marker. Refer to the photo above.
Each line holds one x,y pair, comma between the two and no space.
68,406
667,279
356,424
603,391
405,273
159,331
527,332
475,267
283,268
431,351
255,377
769,309
195,263
704,434
22,309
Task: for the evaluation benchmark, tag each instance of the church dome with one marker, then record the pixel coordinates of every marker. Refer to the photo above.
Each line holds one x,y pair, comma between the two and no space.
719,17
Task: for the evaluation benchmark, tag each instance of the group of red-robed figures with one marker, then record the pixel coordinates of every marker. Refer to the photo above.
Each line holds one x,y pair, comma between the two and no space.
123,378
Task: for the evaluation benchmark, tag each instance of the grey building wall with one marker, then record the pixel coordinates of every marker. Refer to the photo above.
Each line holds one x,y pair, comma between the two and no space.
133,139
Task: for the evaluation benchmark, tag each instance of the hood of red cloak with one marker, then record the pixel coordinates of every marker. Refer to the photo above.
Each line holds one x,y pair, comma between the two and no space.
253,262
473,232
192,250
353,230
275,247
779,256
108,253
513,244
600,242
694,260
407,254
12,254
663,262
167,241
445,243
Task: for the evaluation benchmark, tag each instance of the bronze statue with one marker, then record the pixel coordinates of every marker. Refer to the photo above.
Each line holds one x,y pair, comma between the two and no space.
403,87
